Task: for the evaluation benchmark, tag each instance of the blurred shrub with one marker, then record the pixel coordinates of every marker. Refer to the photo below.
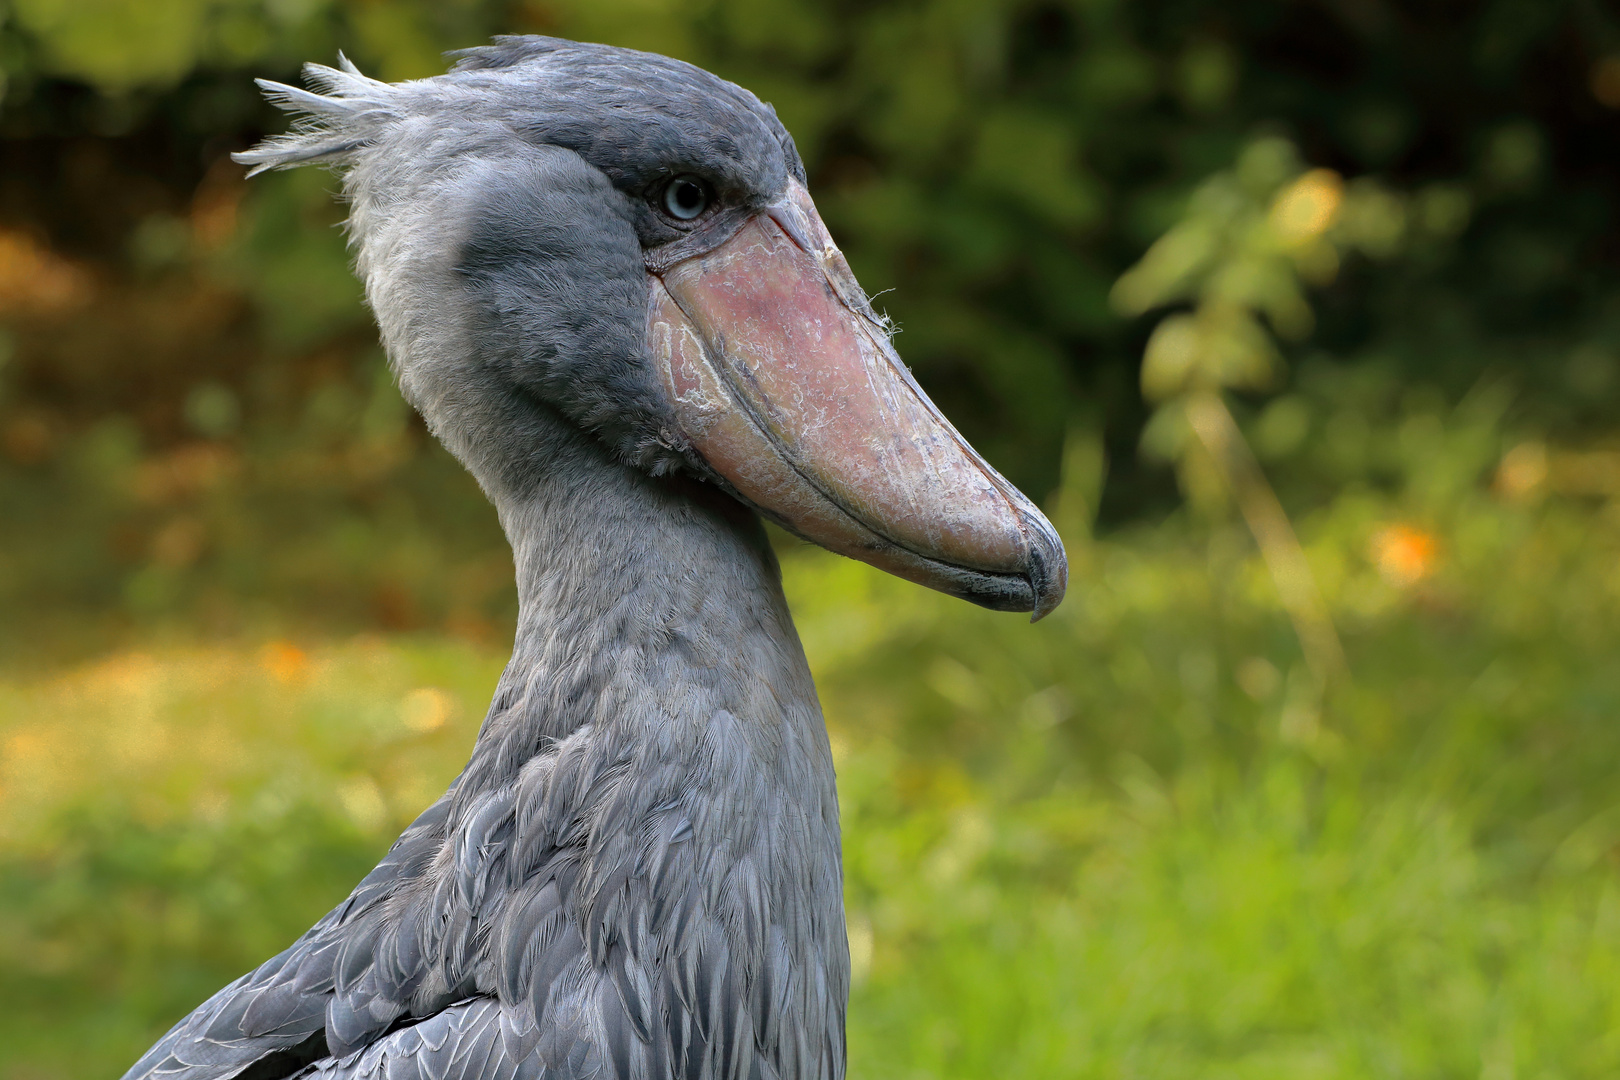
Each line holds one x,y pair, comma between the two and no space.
991,167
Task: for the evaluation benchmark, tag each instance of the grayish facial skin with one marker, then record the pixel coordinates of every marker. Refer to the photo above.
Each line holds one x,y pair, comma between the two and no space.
637,875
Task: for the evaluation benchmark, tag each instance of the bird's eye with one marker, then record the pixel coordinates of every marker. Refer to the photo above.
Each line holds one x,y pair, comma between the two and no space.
685,197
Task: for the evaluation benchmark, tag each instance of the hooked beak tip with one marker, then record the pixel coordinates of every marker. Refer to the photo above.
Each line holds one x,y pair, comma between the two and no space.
1048,572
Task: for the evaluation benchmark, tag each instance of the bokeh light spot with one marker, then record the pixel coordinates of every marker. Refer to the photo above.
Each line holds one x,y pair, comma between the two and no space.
1405,555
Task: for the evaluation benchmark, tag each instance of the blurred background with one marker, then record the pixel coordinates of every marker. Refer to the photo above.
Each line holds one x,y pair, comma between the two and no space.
1300,317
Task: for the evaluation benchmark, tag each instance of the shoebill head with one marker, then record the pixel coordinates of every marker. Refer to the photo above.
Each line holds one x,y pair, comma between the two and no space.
627,241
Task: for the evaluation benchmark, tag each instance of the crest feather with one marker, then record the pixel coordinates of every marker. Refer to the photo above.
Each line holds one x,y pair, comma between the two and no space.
344,112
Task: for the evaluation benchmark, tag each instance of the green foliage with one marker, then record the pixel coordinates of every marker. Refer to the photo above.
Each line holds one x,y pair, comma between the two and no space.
1125,841
1137,839
991,168
1252,240
172,818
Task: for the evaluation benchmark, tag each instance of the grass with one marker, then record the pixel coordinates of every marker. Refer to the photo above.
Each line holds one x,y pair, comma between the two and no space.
1130,841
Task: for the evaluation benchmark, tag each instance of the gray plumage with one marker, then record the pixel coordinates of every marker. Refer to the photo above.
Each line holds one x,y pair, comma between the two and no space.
637,874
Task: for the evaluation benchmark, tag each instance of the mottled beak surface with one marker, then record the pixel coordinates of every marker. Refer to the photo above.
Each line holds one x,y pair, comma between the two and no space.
785,383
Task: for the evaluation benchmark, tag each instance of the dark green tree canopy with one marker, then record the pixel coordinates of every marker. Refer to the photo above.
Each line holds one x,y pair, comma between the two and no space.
990,168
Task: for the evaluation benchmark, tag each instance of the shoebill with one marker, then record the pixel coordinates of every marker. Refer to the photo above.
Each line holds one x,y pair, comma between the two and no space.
599,276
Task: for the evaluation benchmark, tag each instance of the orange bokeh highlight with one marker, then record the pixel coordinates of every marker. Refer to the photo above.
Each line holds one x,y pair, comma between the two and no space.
287,662
34,279
1405,555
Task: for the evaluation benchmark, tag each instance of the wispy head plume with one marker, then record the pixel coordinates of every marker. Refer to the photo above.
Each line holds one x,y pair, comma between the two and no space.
347,113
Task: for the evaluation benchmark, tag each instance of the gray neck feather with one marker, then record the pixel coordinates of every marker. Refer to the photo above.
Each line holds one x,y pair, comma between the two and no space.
647,609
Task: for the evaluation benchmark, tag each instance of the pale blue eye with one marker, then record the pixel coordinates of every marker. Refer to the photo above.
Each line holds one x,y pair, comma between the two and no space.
685,197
